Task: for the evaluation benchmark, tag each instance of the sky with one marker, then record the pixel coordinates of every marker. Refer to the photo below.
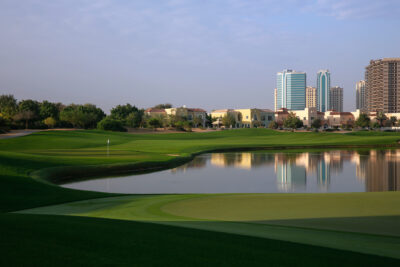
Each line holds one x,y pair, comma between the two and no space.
205,54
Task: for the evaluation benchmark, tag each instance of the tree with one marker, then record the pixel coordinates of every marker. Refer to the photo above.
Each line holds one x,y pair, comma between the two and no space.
154,123
228,120
176,121
187,126
163,106
375,125
381,117
4,127
135,119
273,125
197,121
210,120
26,116
48,109
8,106
29,105
292,121
28,111
50,122
121,112
82,116
363,120
109,124
393,121
316,124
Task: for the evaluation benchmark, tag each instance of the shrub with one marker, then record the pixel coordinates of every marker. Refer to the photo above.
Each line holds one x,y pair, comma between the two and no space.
4,125
50,122
273,125
109,124
187,125
154,123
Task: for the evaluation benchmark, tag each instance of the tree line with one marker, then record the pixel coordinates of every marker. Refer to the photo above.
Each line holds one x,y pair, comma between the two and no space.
31,114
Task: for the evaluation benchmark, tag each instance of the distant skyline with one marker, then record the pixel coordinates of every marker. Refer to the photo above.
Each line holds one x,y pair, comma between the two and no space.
206,54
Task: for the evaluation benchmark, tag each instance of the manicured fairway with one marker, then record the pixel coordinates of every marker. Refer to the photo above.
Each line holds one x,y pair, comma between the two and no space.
41,240
362,222
232,229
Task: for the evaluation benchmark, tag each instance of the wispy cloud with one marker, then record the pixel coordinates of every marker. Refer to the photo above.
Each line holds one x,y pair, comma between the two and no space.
355,9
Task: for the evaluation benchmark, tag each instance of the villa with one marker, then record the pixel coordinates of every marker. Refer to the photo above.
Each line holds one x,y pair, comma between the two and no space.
245,118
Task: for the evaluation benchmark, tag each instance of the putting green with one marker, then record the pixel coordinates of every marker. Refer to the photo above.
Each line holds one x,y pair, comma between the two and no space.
360,222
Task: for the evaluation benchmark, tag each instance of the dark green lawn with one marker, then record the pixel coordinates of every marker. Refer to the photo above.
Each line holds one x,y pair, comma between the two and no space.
42,240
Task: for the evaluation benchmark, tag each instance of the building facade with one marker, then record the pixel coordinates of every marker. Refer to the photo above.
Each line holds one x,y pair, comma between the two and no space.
244,118
323,87
311,97
196,115
275,99
308,115
291,90
336,98
360,95
338,119
382,85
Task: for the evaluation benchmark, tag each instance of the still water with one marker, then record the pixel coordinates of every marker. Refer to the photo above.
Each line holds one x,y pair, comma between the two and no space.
263,172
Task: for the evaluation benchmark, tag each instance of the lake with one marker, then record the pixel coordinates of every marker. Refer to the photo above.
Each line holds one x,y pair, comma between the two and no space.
265,172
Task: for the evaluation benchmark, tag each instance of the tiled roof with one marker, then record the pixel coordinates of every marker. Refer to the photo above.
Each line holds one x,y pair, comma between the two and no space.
340,113
156,110
222,110
196,110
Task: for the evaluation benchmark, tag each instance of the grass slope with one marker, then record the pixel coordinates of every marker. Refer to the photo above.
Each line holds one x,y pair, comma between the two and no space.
39,240
361,222
59,155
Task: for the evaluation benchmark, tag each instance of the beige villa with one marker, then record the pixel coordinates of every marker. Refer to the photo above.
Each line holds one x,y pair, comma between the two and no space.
245,118
189,113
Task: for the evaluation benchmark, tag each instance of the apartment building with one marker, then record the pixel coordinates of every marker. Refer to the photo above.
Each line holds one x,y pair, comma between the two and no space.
382,85
336,99
311,97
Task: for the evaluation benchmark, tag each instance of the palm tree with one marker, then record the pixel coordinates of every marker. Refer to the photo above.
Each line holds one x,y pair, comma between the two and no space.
381,117
393,120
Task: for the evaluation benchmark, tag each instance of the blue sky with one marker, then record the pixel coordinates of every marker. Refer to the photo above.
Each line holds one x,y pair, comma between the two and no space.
209,54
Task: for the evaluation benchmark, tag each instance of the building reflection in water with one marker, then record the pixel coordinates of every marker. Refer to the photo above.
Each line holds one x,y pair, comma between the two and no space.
379,170
382,170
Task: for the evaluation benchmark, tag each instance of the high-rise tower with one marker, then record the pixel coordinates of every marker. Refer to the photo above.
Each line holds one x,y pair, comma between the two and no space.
311,97
382,85
360,95
336,98
323,87
291,90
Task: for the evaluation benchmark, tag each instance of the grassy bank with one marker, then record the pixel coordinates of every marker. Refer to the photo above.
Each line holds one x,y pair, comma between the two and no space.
28,163
360,222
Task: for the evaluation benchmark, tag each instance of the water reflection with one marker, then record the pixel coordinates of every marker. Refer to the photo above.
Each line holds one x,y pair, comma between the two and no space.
378,170
265,172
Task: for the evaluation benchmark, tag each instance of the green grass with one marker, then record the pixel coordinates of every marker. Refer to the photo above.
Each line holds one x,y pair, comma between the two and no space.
40,240
360,222
327,229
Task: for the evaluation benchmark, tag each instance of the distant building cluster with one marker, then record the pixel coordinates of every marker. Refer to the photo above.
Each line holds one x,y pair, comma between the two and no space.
293,93
379,92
